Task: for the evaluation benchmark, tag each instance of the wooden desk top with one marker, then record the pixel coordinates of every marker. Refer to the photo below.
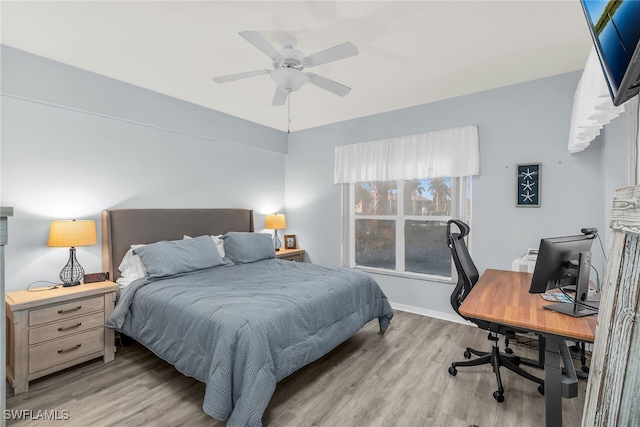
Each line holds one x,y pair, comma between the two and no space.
503,297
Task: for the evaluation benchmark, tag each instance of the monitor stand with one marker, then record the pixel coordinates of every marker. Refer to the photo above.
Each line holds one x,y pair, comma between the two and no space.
581,289
572,309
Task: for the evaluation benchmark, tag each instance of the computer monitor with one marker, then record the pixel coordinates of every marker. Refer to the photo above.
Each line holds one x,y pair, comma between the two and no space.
565,262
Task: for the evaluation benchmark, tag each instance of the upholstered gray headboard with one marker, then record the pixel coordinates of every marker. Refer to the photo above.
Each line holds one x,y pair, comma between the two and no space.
122,228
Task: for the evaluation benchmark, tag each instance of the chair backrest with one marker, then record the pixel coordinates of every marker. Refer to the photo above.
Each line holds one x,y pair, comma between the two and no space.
467,271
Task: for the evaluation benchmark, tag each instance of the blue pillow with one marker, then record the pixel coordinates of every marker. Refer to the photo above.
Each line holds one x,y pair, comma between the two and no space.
242,248
168,258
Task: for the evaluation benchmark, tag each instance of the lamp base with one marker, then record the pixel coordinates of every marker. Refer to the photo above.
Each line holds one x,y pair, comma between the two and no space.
276,241
68,285
72,273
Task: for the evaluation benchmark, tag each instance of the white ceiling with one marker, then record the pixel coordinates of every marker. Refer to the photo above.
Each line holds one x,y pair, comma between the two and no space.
411,53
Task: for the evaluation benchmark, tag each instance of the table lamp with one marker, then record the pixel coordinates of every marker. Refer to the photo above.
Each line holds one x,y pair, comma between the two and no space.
71,234
275,222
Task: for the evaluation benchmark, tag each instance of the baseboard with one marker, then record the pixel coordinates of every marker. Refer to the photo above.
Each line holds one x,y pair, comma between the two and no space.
431,313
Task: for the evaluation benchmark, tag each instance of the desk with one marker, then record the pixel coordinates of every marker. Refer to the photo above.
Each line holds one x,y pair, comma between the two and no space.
503,297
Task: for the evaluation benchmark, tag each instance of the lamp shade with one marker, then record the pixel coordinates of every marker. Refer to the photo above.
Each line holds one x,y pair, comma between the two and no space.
275,222
72,233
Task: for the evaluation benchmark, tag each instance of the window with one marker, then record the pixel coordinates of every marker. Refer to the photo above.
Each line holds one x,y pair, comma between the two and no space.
400,225
401,192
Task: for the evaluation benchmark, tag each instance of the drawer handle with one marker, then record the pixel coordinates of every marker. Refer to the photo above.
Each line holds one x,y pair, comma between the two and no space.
66,328
70,349
70,310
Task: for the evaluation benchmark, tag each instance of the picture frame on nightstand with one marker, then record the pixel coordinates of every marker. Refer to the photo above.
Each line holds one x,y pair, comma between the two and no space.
290,241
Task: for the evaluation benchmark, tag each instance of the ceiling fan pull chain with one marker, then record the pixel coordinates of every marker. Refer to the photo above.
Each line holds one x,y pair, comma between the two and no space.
288,111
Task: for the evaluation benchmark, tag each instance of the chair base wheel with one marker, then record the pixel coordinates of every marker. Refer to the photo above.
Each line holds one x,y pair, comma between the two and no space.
508,350
452,371
541,389
467,354
498,396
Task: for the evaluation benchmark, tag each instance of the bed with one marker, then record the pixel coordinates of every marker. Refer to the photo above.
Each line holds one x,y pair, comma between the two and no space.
233,316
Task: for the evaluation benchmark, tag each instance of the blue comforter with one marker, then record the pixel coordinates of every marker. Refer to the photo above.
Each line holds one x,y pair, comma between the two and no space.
240,329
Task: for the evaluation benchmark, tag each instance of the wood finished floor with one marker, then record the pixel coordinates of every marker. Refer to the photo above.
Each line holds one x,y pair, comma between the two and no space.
400,379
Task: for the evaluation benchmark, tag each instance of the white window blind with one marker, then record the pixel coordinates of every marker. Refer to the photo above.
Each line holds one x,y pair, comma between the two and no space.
446,153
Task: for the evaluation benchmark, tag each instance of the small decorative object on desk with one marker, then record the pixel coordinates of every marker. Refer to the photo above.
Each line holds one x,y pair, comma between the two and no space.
290,241
556,296
96,277
528,185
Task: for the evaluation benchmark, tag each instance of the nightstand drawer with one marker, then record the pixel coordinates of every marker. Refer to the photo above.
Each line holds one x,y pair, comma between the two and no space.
291,254
65,311
54,353
294,257
65,327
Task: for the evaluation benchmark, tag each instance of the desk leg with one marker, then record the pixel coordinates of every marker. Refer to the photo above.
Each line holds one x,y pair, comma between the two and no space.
553,381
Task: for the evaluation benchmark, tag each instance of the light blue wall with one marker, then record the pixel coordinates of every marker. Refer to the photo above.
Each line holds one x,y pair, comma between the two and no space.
615,160
524,123
75,143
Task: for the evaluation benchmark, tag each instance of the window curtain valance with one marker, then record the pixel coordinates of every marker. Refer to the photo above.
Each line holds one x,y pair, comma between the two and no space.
446,153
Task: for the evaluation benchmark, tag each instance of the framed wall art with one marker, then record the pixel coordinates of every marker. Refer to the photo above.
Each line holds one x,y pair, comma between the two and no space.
528,185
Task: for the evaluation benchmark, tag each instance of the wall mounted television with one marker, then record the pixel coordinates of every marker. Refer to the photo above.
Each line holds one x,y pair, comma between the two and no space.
615,30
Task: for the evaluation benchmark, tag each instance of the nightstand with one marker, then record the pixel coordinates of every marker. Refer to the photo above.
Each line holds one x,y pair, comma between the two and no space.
291,254
51,330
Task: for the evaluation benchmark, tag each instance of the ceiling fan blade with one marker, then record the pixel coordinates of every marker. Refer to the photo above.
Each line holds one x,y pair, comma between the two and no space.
238,76
335,53
258,40
280,97
330,85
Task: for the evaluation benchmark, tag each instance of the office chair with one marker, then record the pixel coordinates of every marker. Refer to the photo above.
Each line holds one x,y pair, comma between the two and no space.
467,278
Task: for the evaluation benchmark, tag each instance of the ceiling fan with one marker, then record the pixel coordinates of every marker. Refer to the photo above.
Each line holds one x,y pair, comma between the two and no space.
289,63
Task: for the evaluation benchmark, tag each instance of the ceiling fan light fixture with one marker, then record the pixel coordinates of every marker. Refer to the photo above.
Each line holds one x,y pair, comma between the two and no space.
289,79
288,65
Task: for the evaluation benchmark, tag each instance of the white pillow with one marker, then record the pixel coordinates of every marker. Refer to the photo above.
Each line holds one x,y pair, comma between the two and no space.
125,281
217,240
132,266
